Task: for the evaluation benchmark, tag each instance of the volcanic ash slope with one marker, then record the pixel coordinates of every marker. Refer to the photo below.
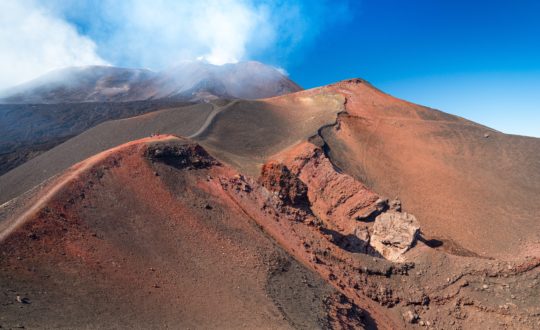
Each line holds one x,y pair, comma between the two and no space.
337,207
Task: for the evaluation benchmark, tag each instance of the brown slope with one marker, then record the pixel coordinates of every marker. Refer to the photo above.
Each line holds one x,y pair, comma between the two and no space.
434,288
470,186
106,236
180,121
466,183
466,189
245,129
250,132
143,236
449,287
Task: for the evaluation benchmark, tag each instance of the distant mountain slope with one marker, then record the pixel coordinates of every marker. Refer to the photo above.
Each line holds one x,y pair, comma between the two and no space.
45,112
188,81
30,129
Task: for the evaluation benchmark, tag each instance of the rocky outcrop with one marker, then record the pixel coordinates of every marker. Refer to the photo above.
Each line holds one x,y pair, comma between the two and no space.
336,198
394,233
349,214
181,156
278,179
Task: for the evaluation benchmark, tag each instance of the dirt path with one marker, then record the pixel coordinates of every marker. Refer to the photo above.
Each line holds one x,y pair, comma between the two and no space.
215,111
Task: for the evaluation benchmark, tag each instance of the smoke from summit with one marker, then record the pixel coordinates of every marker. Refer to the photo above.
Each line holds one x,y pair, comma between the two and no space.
34,41
39,36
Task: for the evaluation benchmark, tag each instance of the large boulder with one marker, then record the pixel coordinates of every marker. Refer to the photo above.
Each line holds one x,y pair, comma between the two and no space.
394,233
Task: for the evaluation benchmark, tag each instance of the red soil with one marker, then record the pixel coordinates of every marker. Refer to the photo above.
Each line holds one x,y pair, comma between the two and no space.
122,239
157,230
470,190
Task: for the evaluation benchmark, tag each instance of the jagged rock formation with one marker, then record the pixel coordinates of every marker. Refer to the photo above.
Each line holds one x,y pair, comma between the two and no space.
181,156
278,178
336,197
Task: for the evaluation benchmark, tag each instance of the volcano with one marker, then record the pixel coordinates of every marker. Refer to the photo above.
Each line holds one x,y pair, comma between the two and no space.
189,81
338,207
43,113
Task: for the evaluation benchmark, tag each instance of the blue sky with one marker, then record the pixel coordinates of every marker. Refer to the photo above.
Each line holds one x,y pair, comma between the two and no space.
476,59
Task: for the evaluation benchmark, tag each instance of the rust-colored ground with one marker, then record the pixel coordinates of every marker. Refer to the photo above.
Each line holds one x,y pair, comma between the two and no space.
470,186
257,221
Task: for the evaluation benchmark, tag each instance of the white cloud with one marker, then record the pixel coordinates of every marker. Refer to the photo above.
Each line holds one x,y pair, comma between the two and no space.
38,36
33,41
161,32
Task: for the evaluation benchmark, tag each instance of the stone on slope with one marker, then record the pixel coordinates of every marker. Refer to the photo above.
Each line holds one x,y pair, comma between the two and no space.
394,233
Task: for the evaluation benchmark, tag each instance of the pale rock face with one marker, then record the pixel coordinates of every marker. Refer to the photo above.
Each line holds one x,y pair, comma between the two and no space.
394,233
